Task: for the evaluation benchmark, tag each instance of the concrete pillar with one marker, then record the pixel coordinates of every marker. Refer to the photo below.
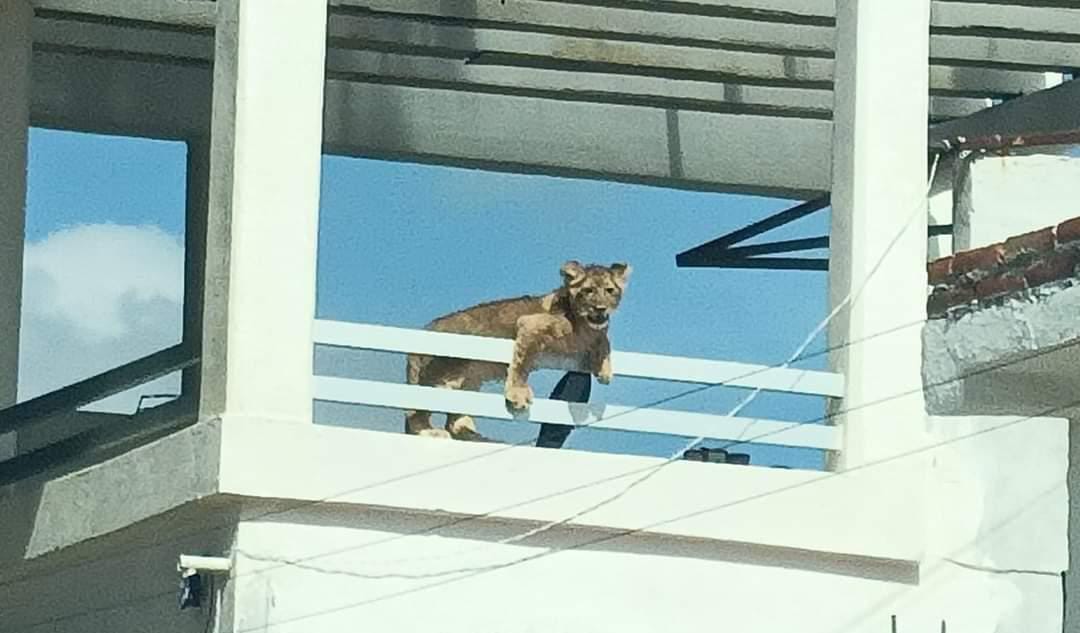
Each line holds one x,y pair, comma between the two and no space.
1072,575
265,157
15,49
196,215
879,192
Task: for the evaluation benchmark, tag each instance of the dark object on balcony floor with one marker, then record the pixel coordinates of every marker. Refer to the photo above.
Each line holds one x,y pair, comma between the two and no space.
573,387
716,456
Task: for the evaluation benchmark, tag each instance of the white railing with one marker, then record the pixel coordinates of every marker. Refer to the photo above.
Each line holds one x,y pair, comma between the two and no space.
646,420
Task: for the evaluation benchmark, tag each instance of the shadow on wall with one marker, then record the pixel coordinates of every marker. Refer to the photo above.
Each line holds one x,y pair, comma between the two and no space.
567,538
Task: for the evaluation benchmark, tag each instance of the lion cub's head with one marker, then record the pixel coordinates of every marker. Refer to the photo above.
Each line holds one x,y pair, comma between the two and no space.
594,291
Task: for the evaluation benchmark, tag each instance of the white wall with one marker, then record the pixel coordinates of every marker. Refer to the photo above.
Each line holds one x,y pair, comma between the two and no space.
126,584
995,548
991,550
1011,195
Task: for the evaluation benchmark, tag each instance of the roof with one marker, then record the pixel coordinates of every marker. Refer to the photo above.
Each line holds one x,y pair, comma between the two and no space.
970,279
524,85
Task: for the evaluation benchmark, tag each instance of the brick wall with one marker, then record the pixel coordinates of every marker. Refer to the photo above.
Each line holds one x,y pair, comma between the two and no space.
970,278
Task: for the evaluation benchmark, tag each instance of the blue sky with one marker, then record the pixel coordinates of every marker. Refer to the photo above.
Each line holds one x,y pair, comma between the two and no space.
402,243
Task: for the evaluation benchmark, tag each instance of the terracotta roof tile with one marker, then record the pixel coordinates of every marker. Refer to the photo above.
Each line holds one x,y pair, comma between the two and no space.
1048,255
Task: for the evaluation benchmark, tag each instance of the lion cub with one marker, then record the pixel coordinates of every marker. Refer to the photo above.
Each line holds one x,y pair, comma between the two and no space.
570,321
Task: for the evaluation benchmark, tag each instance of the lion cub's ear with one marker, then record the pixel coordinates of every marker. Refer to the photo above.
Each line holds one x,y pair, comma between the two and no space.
621,271
572,272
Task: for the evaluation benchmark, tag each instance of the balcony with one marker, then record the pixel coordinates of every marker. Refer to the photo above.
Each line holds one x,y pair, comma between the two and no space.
916,515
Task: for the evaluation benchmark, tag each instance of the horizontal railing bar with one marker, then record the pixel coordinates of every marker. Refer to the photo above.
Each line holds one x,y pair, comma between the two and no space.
632,364
97,387
641,420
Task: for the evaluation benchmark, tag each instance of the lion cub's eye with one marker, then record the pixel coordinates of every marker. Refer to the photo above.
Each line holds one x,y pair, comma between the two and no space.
610,290
588,290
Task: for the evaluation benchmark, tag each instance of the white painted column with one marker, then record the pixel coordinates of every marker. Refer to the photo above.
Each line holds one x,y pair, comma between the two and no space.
15,50
266,148
879,191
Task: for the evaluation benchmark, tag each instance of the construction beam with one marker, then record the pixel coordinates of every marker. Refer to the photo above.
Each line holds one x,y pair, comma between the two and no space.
1047,113
785,157
622,22
124,41
119,96
788,157
527,45
975,44
1022,20
545,50
197,14
661,92
436,71
761,23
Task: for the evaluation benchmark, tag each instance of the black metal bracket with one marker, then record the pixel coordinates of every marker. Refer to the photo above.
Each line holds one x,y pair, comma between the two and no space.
723,252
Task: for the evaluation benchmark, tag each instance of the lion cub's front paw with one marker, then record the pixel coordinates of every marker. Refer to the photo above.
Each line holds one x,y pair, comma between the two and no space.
519,397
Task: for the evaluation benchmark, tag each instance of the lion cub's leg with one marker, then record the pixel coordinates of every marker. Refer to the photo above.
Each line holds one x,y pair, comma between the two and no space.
458,425
535,333
600,360
475,374
419,422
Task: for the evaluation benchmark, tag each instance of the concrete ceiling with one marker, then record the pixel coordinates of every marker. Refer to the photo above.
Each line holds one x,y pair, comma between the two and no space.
728,95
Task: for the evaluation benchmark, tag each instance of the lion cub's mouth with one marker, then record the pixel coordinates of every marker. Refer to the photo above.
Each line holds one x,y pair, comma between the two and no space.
597,320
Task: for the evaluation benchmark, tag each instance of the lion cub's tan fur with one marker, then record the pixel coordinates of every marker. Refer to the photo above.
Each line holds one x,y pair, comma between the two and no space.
570,321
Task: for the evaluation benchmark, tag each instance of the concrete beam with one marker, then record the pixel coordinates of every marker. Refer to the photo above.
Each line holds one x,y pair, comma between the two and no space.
265,159
878,238
1006,52
431,68
1013,17
529,44
15,60
660,92
702,150
182,13
1022,19
544,50
1052,111
126,40
437,126
979,46
129,97
626,22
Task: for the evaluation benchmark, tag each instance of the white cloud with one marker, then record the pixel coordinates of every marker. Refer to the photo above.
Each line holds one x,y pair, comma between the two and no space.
97,296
